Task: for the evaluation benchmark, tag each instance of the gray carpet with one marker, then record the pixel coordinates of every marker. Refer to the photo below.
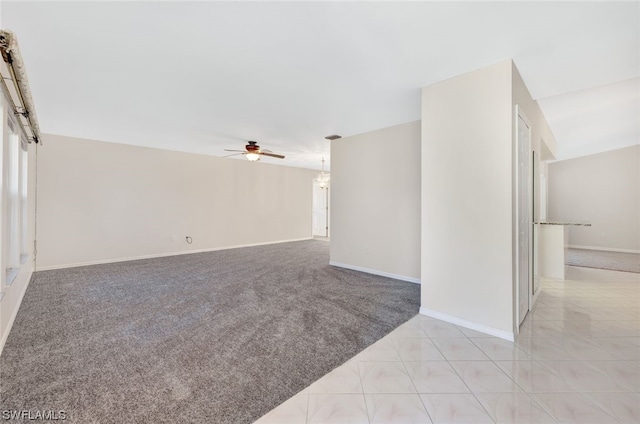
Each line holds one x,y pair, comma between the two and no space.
218,337
616,261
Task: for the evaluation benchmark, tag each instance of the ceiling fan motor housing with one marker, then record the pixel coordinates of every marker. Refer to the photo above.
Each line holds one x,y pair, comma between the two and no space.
252,146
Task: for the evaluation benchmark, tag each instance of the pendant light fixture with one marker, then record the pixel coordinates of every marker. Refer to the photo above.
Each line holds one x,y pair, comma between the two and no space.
323,177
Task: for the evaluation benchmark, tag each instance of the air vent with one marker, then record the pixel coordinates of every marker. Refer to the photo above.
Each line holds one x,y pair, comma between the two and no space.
333,137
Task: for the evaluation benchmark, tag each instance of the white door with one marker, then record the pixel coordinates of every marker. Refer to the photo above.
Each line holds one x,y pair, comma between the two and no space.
320,210
524,214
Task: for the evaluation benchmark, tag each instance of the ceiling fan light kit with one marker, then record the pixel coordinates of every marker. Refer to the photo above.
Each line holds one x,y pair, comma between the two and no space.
253,153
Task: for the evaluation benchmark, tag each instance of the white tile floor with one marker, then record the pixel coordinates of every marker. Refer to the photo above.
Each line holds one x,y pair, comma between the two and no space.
577,360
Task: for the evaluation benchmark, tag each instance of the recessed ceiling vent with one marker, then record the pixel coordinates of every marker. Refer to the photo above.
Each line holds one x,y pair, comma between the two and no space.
333,137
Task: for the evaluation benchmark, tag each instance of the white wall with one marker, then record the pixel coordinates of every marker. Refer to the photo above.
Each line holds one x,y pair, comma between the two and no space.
603,189
100,202
467,199
375,201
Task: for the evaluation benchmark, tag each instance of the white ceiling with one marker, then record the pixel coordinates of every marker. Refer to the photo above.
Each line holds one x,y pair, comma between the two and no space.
205,76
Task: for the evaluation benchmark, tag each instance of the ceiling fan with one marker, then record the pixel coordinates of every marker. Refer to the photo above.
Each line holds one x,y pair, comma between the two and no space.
253,152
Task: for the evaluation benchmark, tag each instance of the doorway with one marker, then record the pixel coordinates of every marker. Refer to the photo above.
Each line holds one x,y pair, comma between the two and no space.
320,209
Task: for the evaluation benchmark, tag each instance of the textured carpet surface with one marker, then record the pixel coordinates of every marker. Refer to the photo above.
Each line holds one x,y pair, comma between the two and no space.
217,337
616,261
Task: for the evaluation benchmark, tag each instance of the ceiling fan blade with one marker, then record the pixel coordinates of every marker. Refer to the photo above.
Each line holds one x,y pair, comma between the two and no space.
235,154
229,150
273,155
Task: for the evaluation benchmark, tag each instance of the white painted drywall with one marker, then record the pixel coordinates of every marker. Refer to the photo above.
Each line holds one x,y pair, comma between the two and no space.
603,189
101,202
375,201
467,198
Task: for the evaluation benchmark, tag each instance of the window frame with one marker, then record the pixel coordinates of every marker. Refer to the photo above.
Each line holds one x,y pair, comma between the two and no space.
14,201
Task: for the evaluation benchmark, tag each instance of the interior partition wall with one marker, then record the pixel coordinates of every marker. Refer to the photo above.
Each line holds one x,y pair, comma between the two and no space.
470,231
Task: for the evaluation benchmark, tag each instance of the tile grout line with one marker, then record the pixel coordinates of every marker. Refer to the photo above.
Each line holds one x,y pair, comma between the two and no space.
575,389
308,403
471,391
459,376
364,398
411,379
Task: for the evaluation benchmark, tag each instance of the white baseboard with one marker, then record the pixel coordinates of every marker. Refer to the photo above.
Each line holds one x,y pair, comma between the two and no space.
9,326
606,249
468,324
376,272
162,255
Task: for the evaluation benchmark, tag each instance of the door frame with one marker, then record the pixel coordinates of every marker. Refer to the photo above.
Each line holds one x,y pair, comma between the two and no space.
325,193
516,144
